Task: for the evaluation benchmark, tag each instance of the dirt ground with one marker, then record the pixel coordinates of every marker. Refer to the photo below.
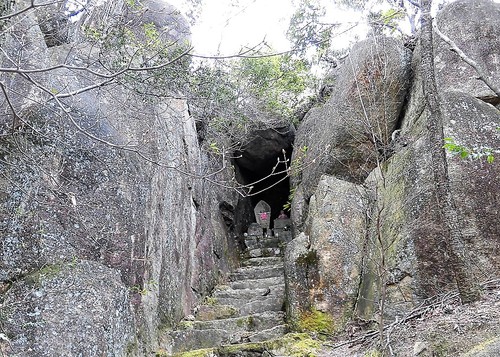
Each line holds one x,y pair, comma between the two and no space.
445,328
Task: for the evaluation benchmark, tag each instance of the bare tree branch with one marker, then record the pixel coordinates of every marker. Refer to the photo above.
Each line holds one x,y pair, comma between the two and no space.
27,8
16,118
483,76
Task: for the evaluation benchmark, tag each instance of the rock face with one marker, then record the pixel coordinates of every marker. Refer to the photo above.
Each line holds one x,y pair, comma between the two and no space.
70,309
322,269
111,236
344,136
104,186
405,257
479,38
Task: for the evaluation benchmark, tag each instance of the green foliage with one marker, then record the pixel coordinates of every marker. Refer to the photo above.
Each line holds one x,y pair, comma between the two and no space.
288,203
133,4
160,67
373,353
387,19
276,81
214,148
210,301
298,162
301,345
234,98
472,153
307,29
311,258
48,272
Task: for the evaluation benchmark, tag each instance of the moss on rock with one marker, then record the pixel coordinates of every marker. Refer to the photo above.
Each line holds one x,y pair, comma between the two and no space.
292,345
315,321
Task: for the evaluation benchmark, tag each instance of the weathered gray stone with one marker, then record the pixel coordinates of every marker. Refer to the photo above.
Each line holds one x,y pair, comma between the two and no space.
54,24
268,334
185,340
264,252
474,26
417,263
257,283
72,308
250,311
475,183
253,322
323,270
249,294
344,136
269,303
255,230
270,242
215,312
336,224
66,195
487,348
262,261
299,272
257,272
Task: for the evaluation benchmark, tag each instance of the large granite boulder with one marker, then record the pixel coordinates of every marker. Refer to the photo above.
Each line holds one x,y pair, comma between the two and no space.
474,26
323,268
406,256
344,136
475,183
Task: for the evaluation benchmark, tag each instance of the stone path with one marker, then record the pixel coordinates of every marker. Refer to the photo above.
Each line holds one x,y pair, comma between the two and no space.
249,308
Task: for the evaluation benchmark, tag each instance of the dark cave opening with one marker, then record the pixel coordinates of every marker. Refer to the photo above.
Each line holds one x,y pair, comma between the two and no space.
263,163
274,189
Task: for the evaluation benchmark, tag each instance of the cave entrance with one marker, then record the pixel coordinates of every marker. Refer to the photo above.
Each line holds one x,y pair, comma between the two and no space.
257,165
273,189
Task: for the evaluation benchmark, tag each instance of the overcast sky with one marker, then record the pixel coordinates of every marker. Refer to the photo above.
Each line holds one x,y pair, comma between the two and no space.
224,28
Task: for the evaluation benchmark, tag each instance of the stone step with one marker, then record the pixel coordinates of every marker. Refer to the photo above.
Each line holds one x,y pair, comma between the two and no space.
253,243
201,334
262,305
187,340
216,312
263,261
249,294
269,334
257,283
253,322
256,305
264,252
257,272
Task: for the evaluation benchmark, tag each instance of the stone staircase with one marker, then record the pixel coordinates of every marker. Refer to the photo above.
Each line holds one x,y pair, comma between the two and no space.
248,308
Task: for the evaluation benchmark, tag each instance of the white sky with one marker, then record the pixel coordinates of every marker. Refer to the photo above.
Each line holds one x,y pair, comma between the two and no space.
225,26
233,27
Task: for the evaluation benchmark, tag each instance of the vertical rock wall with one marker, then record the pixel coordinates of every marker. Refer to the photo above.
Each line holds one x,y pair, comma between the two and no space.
404,256
108,232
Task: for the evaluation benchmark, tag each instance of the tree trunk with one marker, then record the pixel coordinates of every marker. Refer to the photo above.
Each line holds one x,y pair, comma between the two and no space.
451,233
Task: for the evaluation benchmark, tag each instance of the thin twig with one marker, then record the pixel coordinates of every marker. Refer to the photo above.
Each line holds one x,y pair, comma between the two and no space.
425,307
483,75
